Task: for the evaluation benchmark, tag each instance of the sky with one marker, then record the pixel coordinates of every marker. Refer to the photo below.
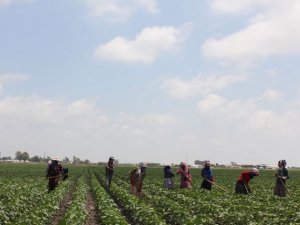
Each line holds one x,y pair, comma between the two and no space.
153,81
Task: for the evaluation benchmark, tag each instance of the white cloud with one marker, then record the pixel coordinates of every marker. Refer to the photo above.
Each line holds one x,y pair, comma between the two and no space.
149,5
247,114
216,105
40,125
1,89
120,10
145,47
200,85
12,77
149,119
211,102
271,95
38,111
159,118
236,6
242,129
11,2
274,31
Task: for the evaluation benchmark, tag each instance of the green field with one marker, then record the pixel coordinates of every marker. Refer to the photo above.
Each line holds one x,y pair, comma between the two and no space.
83,200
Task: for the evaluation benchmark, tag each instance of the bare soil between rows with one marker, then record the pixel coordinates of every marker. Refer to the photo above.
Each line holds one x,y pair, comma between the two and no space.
64,205
93,213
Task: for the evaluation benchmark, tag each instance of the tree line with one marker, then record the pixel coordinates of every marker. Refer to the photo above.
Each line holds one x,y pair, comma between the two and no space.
24,156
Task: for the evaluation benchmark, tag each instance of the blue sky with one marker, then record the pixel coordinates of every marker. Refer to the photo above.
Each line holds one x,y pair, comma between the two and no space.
144,80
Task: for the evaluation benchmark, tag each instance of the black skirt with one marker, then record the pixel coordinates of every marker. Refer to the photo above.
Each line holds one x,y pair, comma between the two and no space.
206,185
240,188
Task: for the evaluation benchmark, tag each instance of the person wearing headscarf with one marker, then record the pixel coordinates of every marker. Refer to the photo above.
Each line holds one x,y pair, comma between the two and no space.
109,172
137,176
63,171
207,175
281,175
242,184
53,173
186,177
168,177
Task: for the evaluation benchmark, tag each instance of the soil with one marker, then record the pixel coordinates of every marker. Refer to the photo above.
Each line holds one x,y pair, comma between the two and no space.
92,211
124,212
64,205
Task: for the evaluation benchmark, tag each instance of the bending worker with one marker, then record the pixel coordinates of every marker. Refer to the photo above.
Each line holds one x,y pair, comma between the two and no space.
242,184
137,176
53,173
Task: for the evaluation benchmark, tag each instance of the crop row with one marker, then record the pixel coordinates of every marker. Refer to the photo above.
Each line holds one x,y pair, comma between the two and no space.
108,211
46,208
172,211
219,207
135,209
17,197
77,212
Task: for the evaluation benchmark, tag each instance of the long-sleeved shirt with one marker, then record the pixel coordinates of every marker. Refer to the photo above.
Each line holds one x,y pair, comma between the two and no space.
245,177
207,173
168,173
109,169
282,172
53,170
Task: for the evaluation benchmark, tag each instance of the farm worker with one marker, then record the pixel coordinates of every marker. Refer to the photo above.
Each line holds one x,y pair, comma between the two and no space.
242,184
168,177
186,177
63,171
281,176
53,173
207,175
137,176
60,168
65,174
109,171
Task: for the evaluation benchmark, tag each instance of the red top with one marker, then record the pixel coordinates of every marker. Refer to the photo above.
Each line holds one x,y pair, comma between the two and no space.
245,177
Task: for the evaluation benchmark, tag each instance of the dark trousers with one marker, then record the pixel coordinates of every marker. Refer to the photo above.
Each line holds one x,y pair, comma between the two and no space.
206,185
52,184
242,188
108,180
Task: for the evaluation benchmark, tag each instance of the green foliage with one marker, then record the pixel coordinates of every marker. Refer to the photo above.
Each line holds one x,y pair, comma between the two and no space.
140,212
108,210
77,212
46,208
24,199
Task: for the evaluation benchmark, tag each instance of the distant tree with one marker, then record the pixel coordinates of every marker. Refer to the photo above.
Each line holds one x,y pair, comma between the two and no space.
36,159
66,160
86,161
18,155
101,163
25,156
6,158
76,160
151,164
48,158
198,162
234,164
22,156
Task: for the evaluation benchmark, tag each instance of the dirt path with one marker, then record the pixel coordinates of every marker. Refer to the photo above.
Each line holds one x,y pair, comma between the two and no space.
91,208
63,207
